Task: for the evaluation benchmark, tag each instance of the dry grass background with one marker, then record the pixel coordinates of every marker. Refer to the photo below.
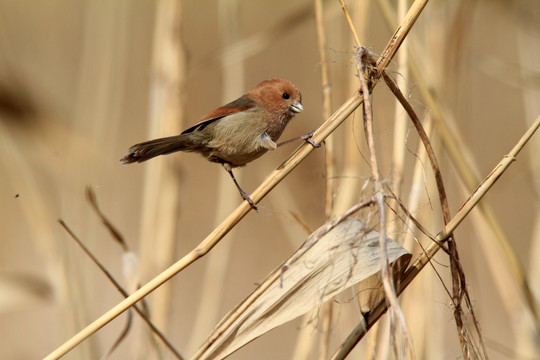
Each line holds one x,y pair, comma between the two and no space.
82,81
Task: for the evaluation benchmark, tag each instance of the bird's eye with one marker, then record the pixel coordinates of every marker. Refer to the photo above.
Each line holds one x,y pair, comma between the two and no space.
285,96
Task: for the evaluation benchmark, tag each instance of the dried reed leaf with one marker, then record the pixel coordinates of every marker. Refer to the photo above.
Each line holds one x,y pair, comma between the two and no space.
345,256
371,292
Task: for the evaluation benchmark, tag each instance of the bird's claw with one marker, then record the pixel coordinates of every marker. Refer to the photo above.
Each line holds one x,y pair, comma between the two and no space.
313,143
309,138
306,137
246,197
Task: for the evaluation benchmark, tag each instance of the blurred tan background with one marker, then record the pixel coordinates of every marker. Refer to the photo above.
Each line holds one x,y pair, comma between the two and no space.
81,81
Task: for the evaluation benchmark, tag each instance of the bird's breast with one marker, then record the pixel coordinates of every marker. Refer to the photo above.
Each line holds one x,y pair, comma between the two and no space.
236,138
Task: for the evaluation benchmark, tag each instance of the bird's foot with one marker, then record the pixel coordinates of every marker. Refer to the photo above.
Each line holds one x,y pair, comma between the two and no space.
306,137
309,138
246,197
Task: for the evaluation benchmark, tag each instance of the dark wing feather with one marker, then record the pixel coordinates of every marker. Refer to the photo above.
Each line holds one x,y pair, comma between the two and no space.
241,104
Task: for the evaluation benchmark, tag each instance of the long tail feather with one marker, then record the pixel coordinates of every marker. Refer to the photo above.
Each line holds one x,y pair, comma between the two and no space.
149,149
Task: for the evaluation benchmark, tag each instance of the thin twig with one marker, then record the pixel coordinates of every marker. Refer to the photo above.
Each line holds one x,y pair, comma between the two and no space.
219,232
115,233
423,230
363,327
458,276
462,159
425,140
363,63
349,21
119,288
238,214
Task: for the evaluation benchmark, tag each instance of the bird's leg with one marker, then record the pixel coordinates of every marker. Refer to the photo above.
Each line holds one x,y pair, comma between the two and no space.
306,137
244,194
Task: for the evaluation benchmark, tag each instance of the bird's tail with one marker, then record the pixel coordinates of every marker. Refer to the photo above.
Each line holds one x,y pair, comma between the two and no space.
149,149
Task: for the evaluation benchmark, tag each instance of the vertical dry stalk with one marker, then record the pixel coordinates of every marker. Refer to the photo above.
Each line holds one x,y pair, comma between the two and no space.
272,180
421,316
363,63
326,103
464,162
400,119
459,285
219,232
350,22
347,189
213,283
415,268
84,86
97,110
37,218
383,61
160,194
457,273
330,163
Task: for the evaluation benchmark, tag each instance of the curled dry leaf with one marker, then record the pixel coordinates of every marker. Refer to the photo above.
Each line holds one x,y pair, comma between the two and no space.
328,263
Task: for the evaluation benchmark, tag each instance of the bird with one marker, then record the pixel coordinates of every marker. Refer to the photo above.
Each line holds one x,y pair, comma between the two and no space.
236,133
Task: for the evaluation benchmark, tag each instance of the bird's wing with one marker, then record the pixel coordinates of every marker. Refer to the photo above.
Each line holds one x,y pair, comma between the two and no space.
242,104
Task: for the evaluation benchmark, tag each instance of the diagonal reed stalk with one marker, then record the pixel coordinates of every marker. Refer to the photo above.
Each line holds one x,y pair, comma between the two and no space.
213,282
160,209
464,162
363,61
434,247
219,232
458,277
238,214
119,287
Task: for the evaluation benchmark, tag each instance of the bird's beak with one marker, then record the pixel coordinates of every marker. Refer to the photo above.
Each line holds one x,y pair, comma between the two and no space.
296,107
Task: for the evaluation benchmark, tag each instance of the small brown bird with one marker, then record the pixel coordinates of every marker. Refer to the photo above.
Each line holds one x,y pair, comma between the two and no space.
236,133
